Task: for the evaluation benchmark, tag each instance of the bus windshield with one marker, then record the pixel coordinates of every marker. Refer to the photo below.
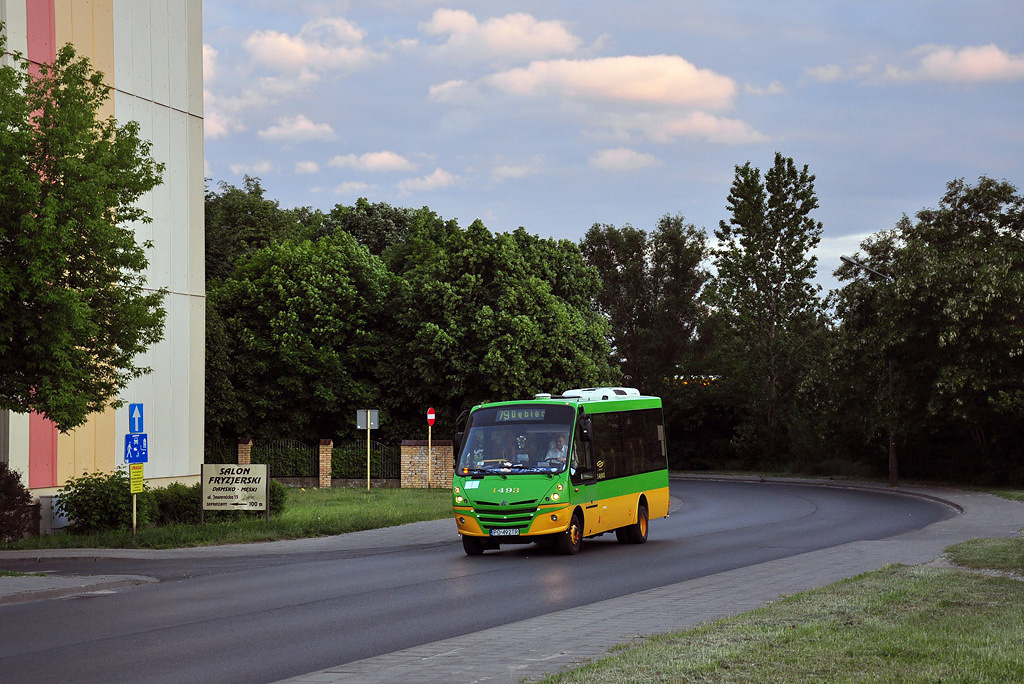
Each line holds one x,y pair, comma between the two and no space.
517,439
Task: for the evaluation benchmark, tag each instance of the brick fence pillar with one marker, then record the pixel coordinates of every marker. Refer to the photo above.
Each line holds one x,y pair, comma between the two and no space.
415,461
244,451
326,447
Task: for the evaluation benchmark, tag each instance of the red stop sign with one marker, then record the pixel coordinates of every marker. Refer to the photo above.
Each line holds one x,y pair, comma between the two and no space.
430,416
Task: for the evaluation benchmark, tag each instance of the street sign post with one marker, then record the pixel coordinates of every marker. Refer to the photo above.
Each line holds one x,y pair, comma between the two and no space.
430,450
135,415
137,486
136,448
367,419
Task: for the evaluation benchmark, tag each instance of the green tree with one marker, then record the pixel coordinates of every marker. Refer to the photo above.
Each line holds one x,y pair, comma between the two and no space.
480,320
299,326
770,311
76,312
650,294
950,316
240,221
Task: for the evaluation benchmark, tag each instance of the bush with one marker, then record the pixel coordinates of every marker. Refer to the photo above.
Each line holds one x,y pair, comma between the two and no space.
178,503
277,493
103,501
15,505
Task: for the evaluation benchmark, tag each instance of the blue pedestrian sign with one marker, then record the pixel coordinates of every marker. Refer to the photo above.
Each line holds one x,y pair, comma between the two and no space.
135,419
136,448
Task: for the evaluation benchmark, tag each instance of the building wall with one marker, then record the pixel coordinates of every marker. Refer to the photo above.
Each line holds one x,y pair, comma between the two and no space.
150,52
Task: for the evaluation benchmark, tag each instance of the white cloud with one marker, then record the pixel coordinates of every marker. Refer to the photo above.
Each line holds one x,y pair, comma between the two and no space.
515,35
435,181
623,159
353,188
223,115
453,91
666,128
298,128
306,167
827,73
773,88
328,44
263,166
504,171
373,161
981,63
209,64
663,79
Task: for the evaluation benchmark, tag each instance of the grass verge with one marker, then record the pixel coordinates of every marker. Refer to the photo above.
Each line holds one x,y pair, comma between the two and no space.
308,513
1002,554
905,624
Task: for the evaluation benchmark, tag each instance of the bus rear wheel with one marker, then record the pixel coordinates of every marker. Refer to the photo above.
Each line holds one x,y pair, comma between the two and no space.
637,532
571,541
472,545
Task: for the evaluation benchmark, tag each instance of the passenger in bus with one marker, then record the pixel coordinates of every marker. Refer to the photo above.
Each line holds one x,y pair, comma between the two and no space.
558,451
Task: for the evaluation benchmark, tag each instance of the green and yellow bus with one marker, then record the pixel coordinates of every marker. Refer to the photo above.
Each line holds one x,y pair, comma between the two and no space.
558,469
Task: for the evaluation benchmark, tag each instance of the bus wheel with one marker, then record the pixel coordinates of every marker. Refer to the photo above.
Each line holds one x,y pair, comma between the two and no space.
637,533
472,545
571,540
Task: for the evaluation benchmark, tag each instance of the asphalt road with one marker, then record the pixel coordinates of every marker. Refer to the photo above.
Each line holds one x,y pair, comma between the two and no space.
268,617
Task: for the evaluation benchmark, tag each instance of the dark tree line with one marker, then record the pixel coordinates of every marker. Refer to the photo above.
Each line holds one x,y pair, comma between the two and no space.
312,315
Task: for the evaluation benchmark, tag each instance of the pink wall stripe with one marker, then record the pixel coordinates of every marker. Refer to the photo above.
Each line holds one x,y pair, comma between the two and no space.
42,433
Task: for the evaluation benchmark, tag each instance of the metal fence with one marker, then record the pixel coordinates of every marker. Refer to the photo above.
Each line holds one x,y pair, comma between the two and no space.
220,451
287,457
348,460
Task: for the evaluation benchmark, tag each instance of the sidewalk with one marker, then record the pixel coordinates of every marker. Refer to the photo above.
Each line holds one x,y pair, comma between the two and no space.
526,649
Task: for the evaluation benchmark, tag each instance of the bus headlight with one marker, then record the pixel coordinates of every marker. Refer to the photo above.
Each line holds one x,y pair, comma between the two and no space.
554,497
559,487
459,491
459,499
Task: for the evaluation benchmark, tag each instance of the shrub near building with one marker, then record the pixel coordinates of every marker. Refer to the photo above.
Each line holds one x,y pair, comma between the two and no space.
15,505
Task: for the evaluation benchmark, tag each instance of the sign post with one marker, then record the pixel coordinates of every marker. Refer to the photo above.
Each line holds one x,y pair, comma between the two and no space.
232,487
137,486
367,419
430,450
136,452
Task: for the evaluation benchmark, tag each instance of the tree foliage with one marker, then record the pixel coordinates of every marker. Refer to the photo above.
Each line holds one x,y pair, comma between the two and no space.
950,316
769,309
76,312
297,326
301,333
651,284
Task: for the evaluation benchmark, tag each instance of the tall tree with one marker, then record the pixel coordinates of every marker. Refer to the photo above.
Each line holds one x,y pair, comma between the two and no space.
764,293
76,311
240,221
949,314
650,294
299,325
479,319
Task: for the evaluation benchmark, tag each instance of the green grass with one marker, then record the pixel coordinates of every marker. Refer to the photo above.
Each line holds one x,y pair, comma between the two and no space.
905,624
308,513
1015,494
11,573
1005,555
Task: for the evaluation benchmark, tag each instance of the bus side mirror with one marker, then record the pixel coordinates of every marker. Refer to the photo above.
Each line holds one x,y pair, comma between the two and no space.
456,447
585,428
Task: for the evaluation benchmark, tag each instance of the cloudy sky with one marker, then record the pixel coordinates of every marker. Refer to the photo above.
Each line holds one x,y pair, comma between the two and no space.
556,116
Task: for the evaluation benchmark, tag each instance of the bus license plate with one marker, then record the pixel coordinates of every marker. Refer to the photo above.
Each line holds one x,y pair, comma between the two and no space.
505,532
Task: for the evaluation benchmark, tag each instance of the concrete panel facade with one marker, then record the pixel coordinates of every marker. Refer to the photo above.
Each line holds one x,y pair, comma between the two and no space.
150,52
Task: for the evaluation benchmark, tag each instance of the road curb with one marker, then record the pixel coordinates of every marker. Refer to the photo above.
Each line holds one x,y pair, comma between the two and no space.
934,493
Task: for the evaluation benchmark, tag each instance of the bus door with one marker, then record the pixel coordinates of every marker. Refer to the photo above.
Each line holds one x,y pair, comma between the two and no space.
582,475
